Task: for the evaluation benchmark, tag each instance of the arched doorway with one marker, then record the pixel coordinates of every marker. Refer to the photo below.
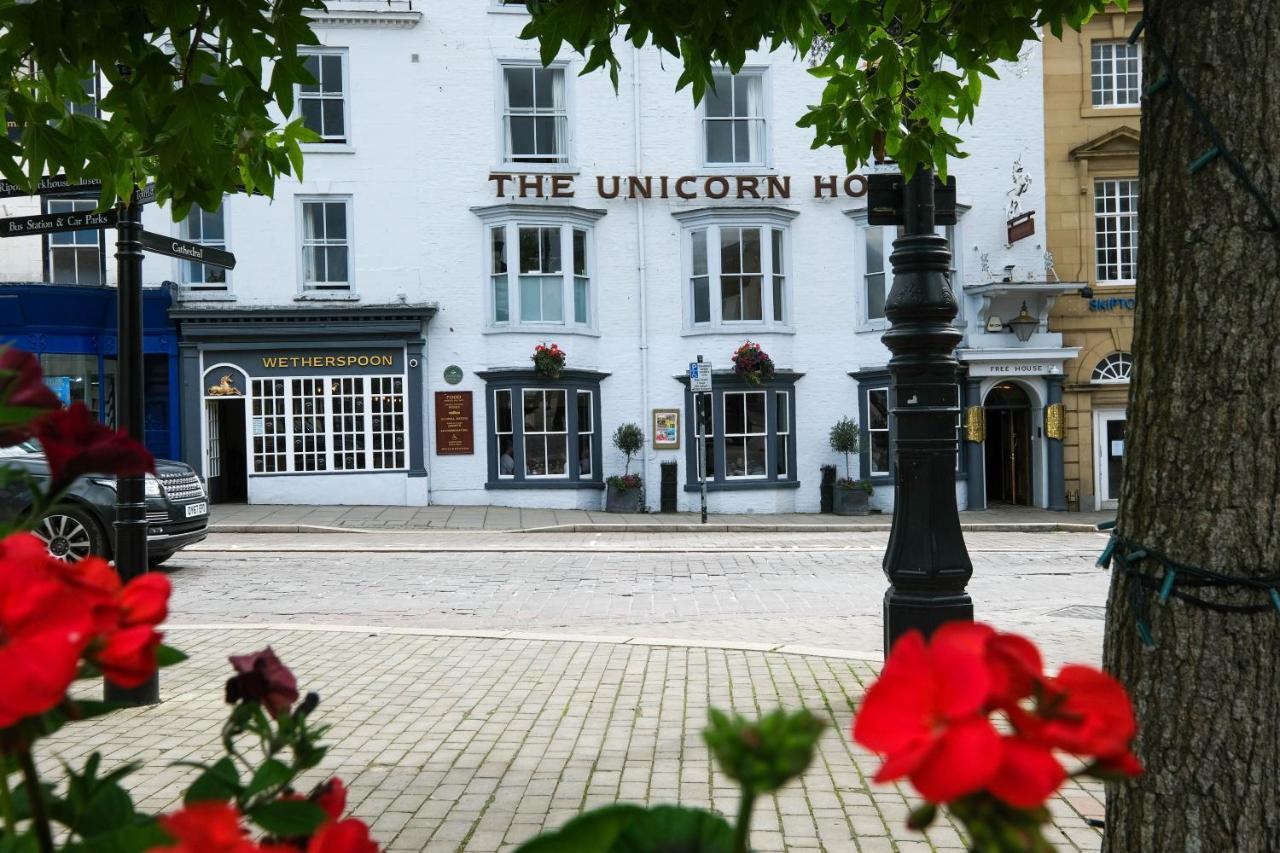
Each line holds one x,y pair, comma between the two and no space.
1008,445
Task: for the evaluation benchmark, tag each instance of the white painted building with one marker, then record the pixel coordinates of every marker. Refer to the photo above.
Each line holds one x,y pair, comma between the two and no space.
469,204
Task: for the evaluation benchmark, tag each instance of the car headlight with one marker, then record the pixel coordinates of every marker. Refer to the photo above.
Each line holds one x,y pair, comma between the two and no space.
152,488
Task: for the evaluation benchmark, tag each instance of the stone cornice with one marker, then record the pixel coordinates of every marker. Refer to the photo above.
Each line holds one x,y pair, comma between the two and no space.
376,14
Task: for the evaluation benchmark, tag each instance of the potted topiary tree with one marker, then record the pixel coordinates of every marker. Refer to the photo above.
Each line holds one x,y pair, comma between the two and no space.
850,494
624,492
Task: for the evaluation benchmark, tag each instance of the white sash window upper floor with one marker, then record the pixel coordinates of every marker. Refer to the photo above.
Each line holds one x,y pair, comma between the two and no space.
207,229
737,269
535,115
874,245
1115,73
74,257
325,243
1115,226
325,104
734,125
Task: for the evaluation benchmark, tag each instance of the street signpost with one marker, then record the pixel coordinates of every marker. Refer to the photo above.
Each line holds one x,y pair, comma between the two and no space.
699,384
131,241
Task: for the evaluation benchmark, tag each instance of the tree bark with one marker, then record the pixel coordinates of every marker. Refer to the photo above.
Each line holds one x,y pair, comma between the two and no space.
1202,476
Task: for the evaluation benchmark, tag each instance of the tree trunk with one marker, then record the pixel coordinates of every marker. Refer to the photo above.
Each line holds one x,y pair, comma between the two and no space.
1202,475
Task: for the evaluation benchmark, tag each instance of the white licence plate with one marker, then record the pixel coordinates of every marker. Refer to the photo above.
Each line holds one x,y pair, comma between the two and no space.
201,508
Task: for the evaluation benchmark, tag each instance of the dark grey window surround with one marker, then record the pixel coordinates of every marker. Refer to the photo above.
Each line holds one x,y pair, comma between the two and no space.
783,380
517,379
879,378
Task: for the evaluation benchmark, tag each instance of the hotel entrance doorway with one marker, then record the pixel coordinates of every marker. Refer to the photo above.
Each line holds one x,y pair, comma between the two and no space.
1008,445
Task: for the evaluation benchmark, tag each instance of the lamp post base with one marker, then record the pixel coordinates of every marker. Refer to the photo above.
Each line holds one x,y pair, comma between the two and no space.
923,612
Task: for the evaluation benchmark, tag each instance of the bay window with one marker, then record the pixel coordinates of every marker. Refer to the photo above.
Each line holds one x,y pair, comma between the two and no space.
539,268
542,432
875,246
736,273
748,433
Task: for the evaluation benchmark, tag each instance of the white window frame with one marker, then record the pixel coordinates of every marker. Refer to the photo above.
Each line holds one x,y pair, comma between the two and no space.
712,220
1114,369
345,144
887,234
508,8
544,433
329,453
331,290
887,430
784,447
509,435
1110,81
503,160
1118,219
512,218
78,205
589,433
745,436
765,160
203,290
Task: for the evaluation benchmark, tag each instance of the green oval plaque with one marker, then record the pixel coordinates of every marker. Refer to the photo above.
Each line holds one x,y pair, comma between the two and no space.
453,374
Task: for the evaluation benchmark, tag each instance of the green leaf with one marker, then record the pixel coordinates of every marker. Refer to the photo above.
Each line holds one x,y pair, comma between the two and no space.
218,782
289,818
592,832
272,774
626,828
168,656
142,835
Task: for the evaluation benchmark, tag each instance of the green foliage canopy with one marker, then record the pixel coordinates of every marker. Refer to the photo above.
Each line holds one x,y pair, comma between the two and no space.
196,94
900,74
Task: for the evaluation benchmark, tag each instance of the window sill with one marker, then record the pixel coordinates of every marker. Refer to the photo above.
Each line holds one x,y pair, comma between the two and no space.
720,170
874,326
327,148
536,169
743,485
542,329
1123,283
745,328
518,485
327,296
508,10
185,295
1091,111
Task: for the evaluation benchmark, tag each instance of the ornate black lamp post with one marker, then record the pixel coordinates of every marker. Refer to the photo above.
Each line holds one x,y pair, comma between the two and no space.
926,561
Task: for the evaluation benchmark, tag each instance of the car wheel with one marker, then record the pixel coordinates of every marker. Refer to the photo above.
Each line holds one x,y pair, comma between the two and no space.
71,534
154,560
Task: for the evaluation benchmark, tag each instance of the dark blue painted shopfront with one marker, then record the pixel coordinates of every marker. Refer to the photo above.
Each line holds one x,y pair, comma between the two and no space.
73,331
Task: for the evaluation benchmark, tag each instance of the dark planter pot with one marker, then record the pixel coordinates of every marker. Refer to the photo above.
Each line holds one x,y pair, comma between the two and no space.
622,500
851,502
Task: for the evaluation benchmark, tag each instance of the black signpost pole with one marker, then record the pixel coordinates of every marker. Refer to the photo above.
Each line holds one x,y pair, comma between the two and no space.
131,510
926,562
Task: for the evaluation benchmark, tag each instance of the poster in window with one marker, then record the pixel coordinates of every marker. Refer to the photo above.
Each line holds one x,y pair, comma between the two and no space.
666,429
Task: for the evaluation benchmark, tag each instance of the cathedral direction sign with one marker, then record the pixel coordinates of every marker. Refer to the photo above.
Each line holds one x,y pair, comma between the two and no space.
455,426
187,251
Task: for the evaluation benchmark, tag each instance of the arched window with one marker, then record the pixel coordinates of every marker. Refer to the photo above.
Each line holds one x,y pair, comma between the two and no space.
1113,369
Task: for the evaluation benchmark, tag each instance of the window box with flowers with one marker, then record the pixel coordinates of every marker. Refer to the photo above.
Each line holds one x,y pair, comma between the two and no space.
548,361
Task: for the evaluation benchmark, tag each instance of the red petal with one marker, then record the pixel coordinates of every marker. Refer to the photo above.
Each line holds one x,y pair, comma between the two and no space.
896,711
129,658
963,761
145,600
1028,774
961,678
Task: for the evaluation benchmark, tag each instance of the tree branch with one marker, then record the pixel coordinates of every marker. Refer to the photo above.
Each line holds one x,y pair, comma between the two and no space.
196,40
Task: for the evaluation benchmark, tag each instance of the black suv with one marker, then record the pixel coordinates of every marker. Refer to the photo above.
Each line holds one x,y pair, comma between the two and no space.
177,509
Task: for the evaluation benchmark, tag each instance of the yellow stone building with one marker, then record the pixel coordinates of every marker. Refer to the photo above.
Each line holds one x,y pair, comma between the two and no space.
1092,95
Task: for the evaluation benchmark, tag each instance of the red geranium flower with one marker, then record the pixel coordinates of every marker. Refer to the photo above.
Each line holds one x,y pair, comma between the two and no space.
926,714
75,443
1087,712
207,827
1013,661
346,836
44,626
261,677
332,797
1027,775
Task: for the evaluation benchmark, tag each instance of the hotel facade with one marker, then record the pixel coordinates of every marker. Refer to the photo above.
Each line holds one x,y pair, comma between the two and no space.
373,343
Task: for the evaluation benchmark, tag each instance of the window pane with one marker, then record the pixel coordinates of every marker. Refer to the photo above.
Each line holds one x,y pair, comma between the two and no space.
730,298
312,220
522,139
747,98
550,249
584,456
520,88
312,63
719,100
875,250
742,152
782,411
333,118
552,300
530,299
719,141
581,289
756,453
701,300
784,455
752,300
313,261
750,250
557,455
779,299
754,412
530,259
878,409
735,456
880,452
542,80
730,250
534,420
501,300
556,416
777,251
735,406
535,455
337,263
545,139
331,73
875,296
335,220
579,252
698,244
503,414
499,244
584,411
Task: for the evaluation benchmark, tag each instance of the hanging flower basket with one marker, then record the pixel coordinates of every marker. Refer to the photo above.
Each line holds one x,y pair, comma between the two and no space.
753,364
548,361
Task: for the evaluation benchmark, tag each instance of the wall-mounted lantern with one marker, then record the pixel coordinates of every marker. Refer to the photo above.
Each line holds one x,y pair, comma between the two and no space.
1024,325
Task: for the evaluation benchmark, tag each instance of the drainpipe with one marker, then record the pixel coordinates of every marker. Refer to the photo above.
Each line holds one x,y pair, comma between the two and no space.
641,270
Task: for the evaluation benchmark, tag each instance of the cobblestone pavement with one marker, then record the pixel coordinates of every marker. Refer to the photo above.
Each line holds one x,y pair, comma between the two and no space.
243,517
471,744
813,590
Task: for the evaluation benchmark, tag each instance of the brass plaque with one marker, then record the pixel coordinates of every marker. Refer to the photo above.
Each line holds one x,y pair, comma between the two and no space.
1055,421
975,424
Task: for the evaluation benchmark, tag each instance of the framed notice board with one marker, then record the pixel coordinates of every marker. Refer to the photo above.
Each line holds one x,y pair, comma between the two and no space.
455,424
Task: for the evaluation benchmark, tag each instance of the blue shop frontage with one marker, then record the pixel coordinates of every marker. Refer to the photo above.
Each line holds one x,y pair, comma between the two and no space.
72,329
